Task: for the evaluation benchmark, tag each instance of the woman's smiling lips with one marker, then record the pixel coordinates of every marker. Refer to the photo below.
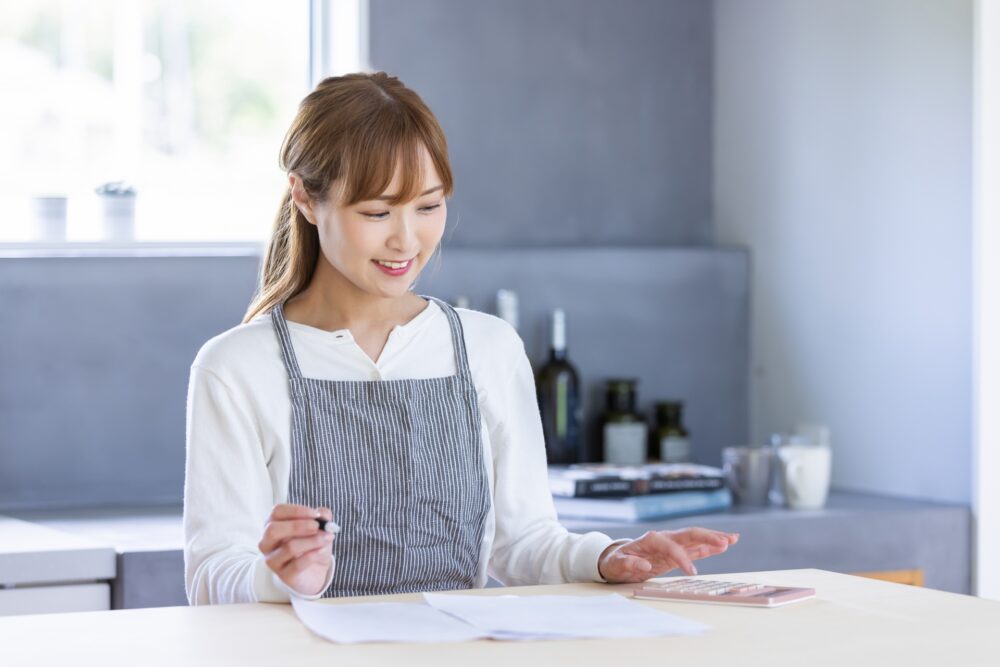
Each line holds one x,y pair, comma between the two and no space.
393,268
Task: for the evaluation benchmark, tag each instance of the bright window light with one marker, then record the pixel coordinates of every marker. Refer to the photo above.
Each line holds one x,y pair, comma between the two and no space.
186,101
339,37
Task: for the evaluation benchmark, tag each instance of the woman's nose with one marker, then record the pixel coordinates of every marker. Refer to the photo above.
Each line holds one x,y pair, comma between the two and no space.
403,232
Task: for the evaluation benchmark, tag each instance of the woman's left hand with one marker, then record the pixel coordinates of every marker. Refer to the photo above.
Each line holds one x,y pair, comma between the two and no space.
659,551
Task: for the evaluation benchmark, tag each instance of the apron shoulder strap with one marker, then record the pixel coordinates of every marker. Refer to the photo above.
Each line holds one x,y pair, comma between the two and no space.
457,338
285,341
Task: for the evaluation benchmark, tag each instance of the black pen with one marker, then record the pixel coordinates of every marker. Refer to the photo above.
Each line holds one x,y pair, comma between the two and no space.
328,526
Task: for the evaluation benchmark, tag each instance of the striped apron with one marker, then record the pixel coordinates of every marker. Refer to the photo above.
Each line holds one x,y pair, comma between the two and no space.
400,463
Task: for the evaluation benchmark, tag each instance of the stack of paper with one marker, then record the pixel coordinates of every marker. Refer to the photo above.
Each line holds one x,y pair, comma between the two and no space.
453,618
382,622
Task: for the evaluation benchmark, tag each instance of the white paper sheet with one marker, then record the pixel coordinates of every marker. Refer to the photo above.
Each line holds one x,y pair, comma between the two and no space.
561,616
457,618
382,622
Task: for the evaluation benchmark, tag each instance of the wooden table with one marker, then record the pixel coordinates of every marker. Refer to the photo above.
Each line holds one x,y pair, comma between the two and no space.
853,621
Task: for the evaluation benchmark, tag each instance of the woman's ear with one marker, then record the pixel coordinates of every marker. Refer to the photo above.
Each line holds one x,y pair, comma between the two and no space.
301,198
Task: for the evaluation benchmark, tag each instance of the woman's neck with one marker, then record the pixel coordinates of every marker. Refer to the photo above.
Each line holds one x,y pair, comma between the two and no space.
332,302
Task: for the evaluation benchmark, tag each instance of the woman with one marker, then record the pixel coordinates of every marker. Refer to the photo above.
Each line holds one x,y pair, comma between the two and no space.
344,396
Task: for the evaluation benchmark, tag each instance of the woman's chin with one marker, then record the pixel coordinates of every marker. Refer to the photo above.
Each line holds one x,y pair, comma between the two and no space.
393,289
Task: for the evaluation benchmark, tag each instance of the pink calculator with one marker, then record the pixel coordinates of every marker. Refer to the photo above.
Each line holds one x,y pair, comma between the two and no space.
723,592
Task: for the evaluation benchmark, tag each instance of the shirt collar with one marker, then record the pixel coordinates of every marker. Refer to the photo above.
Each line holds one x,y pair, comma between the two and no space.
401,331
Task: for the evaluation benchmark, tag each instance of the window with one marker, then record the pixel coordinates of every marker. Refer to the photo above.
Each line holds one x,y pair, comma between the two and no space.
187,101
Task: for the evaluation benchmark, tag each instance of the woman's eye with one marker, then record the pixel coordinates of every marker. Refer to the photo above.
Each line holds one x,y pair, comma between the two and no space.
384,214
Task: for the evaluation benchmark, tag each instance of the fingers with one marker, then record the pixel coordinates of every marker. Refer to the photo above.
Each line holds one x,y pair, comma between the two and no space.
658,552
290,511
701,543
621,567
700,551
679,555
633,565
697,536
288,522
697,553
660,549
304,562
308,550
703,551
278,532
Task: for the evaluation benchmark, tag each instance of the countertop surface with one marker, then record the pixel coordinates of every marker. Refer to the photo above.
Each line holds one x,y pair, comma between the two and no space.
31,553
125,529
851,620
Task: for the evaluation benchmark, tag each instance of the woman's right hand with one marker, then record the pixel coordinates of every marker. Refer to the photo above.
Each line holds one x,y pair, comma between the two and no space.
296,549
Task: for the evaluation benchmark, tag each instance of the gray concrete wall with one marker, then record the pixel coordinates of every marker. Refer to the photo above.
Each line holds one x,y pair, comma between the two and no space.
95,351
570,122
843,158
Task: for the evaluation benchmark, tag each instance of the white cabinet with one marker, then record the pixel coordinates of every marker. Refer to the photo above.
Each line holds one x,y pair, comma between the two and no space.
43,570
55,599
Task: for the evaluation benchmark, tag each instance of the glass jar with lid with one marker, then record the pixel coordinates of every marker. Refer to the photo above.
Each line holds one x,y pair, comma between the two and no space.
623,430
673,444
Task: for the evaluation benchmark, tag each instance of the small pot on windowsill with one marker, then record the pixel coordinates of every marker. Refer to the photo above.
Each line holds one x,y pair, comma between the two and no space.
117,211
48,218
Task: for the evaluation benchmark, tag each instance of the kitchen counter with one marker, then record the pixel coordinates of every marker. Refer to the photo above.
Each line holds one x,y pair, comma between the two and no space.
854,533
43,569
146,547
851,621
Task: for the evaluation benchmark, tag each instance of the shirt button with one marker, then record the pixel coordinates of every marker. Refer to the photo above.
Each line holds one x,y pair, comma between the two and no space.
376,376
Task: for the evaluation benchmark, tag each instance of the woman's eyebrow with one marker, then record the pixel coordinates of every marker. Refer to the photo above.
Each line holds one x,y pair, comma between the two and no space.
425,192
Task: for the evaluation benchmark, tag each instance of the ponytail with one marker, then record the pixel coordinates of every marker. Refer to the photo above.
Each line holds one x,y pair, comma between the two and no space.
289,261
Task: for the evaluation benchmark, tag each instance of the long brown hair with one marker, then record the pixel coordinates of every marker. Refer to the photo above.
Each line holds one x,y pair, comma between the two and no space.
359,128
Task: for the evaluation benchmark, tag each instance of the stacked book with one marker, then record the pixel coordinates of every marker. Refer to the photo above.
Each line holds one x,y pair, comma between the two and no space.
637,493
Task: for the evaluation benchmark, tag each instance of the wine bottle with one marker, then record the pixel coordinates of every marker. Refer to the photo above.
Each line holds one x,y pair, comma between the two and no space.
558,386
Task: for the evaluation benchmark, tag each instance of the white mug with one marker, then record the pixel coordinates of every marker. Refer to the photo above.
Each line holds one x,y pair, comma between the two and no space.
805,475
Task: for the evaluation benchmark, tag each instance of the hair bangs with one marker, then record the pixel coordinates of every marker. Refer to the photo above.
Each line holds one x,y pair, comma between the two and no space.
391,142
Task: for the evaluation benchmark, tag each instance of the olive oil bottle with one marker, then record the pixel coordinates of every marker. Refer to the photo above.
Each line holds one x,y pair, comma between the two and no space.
558,386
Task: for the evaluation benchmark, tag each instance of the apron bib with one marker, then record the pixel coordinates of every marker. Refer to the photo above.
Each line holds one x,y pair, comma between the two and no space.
400,463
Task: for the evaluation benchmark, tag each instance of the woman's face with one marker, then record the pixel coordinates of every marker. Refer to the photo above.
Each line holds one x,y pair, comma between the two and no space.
379,248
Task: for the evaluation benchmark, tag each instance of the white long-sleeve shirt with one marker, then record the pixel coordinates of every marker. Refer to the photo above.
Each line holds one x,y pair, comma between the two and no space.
239,449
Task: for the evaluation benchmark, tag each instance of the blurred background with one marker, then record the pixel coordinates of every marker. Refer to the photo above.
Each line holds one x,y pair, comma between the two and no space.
774,213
